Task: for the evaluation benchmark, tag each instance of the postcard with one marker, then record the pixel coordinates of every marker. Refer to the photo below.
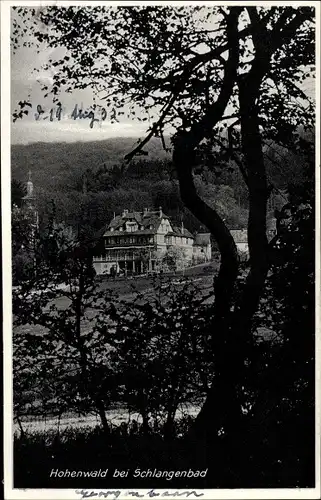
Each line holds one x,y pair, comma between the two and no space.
161,249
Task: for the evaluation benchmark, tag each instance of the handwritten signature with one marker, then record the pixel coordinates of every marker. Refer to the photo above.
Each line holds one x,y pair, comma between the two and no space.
137,494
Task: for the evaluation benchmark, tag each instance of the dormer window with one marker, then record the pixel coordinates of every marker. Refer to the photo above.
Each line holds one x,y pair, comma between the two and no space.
131,226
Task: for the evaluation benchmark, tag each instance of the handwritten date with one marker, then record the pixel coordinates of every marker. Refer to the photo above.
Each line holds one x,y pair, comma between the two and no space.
94,114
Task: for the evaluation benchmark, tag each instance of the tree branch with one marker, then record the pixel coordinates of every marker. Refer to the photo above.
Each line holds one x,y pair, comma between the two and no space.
287,31
216,110
185,143
178,82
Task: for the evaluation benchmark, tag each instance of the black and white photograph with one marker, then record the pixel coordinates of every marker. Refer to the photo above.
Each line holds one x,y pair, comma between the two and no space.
160,237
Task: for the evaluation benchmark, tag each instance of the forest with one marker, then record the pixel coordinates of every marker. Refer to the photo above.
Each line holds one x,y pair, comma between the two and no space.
87,182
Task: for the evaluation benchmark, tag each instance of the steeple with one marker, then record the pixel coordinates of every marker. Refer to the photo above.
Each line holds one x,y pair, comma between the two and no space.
29,201
29,204
29,186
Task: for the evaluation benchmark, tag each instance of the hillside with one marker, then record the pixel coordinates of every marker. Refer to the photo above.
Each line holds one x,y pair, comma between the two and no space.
54,165
85,184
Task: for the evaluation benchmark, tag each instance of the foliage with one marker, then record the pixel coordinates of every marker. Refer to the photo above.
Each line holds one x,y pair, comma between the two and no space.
174,258
24,235
289,311
164,64
94,351
18,190
285,371
153,357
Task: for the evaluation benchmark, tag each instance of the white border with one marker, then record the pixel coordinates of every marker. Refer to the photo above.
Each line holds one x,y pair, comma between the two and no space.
17,494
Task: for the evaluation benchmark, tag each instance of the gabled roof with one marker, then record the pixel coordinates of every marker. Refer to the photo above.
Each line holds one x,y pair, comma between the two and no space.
128,233
152,220
178,231
143,219
116,222
203,239
100,233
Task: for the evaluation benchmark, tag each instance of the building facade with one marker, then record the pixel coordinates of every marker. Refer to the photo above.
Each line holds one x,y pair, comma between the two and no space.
241,241
141,242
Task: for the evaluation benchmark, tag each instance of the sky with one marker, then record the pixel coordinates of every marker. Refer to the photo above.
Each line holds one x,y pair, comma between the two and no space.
25,81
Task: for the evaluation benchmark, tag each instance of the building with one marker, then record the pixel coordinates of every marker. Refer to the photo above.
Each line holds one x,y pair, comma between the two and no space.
202,248
138,242
271,228
29,213
240,237
29,206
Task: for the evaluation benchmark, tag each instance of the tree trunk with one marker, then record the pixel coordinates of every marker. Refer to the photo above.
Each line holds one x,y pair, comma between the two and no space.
145,425
22,432
221,407
183,158
258,197
222,410
101,411
169,425
171,410
86,388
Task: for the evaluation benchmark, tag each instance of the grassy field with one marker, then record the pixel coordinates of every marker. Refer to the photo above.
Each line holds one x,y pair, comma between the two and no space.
200,276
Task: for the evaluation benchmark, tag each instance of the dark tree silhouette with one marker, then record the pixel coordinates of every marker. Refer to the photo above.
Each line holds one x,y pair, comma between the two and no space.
18,191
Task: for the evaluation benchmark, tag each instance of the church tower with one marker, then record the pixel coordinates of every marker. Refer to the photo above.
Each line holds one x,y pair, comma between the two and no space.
29,205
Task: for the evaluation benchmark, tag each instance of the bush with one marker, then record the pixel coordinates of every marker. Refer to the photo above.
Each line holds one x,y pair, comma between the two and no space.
150,355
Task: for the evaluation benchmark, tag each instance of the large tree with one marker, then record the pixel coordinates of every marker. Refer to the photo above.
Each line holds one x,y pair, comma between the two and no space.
226,82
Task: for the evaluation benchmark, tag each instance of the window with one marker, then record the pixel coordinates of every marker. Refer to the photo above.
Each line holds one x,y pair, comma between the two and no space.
131,226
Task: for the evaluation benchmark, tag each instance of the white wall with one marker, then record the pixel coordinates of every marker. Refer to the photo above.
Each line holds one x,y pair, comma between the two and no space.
103,267
242,247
